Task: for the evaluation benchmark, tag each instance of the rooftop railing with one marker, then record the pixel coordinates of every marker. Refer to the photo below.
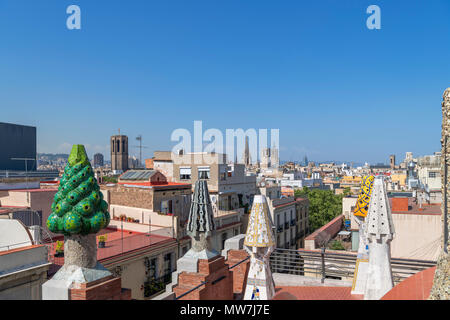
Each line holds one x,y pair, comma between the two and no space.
336,265
325,264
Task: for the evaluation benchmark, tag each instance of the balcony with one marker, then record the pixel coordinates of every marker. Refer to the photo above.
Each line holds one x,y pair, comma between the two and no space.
293,222
280,229
286,225
153,286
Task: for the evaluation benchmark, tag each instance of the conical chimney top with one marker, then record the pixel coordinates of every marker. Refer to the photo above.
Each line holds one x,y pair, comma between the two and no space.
379,217
259,230
201,214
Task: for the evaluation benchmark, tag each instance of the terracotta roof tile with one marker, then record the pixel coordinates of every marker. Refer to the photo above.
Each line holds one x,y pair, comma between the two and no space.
316,293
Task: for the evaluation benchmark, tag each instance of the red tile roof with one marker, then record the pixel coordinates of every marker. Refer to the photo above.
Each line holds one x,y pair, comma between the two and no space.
316,293
416,287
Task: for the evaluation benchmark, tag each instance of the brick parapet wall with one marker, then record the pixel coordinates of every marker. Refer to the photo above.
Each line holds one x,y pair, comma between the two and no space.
219,279
328,231
240,272
108,288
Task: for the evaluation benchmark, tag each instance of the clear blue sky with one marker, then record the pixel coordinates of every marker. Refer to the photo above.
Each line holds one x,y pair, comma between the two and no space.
336,90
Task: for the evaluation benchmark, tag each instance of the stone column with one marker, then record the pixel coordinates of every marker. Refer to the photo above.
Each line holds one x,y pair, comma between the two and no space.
441,284
80,251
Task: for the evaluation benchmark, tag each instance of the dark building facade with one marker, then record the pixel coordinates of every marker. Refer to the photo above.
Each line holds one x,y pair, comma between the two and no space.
98,160
17,141
119,153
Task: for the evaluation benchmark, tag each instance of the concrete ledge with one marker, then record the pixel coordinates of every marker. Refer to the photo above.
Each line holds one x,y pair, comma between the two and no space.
234,243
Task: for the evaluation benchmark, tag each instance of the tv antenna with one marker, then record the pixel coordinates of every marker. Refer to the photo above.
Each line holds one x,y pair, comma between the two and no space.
140,146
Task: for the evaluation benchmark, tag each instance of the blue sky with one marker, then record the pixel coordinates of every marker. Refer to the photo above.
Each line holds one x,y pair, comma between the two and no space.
335,89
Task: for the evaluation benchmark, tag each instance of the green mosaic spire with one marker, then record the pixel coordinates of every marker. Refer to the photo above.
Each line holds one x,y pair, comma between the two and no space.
78,206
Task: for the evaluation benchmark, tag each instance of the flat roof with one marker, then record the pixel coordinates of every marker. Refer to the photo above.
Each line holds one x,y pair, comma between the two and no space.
427,209
30,190
155,185
118,243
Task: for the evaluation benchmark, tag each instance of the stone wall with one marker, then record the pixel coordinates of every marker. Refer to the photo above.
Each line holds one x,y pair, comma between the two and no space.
131,197
441,285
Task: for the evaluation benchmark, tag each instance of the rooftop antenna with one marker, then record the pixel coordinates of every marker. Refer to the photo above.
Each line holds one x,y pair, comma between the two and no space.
140,146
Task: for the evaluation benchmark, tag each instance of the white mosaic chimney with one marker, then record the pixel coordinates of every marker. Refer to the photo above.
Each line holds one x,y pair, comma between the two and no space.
259,243
379,233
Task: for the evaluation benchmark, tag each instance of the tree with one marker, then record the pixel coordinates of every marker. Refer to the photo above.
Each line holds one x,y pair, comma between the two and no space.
347,191
336,245
324,206
78,206
110,179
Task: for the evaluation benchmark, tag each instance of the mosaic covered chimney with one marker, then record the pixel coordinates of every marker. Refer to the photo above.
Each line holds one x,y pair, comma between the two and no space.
360,213
379,233
200,223
78,212
259,243
441,283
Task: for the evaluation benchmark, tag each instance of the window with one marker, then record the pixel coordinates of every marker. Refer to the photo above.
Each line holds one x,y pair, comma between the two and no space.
223,173
203,172
224,238
150,264
166,206
185,173
167,263
432,175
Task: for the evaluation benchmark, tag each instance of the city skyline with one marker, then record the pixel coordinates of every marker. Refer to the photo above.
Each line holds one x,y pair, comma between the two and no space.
335,89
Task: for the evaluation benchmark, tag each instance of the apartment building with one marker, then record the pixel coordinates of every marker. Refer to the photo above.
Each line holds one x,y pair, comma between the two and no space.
144,201
290,217
231,189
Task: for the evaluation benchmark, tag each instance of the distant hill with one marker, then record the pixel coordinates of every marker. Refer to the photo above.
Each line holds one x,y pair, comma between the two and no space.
52,156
